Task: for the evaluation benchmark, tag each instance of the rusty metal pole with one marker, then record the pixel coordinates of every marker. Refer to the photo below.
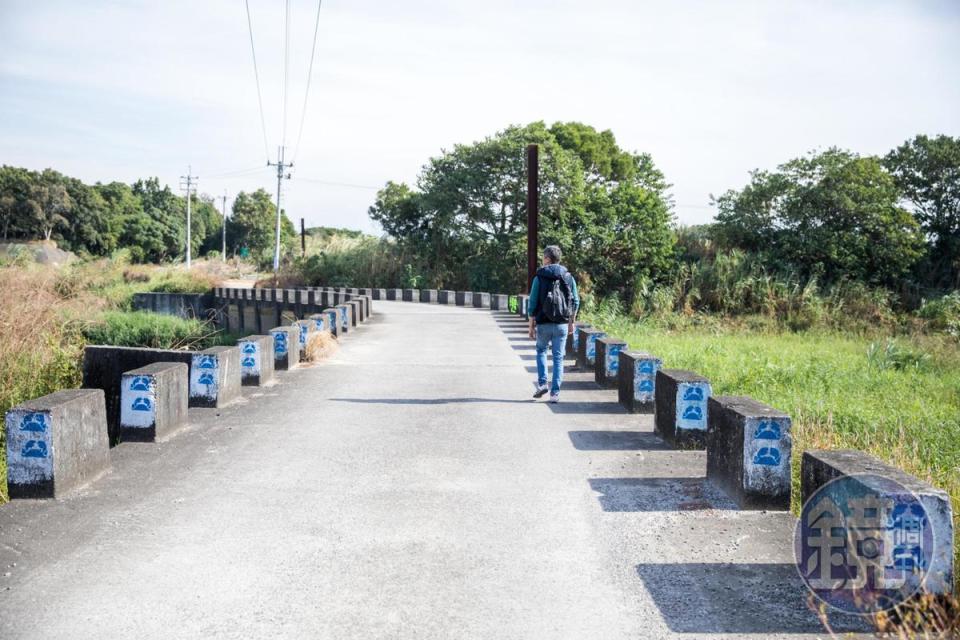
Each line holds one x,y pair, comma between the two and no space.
533,211
303,238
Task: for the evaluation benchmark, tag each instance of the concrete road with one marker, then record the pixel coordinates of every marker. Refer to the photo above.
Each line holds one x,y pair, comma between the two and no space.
407,488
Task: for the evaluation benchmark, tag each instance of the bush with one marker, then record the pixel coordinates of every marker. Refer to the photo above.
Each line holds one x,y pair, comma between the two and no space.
943,314
146,329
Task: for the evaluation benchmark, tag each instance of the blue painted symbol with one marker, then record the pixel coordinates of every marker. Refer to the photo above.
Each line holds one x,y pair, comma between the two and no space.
280,343
249,347
35,422
34,449
693,412
206,378
303,336
693,394
140,383
908,525
645,386
767,456
249,361
767,430
142,404
645,366
207,362
318,323
613,364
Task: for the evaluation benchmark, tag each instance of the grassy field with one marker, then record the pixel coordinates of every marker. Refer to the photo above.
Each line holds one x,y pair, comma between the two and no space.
50,313
898,398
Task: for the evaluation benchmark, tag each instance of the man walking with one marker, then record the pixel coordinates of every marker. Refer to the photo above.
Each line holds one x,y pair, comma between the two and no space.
552,308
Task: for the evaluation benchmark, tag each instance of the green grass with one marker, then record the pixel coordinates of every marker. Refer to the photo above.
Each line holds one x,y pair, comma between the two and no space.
147,329
898,399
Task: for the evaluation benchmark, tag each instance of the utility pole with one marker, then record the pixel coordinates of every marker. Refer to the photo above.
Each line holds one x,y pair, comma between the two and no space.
188,183
303,238
223,255
280,165
533,210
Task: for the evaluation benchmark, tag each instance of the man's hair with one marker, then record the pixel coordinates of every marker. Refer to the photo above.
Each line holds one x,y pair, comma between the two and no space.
553,254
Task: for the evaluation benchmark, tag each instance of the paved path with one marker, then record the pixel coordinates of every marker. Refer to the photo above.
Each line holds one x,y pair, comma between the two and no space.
408,488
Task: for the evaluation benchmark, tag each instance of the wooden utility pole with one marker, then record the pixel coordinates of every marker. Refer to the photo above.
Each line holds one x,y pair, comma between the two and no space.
533,210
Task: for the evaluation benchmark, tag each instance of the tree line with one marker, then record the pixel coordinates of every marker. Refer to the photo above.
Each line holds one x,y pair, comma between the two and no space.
829,217
145,218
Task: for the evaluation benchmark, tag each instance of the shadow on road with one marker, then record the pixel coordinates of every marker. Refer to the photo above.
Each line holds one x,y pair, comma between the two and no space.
621,495
727,598
617,441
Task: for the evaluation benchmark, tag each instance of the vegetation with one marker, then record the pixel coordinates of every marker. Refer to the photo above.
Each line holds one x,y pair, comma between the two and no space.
896,397
145,218
55,312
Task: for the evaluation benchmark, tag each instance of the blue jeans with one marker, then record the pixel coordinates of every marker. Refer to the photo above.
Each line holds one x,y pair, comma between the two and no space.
555,337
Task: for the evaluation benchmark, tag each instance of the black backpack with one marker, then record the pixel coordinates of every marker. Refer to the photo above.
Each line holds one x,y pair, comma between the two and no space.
557,305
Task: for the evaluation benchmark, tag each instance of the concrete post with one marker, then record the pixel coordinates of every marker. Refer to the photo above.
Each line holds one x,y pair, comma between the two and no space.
333,320
445,296
573,339
411,295
256,360
153,401
286,349
499,302
344,320
637,380
215,377
463,298
682,408
304,329
748,451
481,300
428,296
607,362
587,347
56,443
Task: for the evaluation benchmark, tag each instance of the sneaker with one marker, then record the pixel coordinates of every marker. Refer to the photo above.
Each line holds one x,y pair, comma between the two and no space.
554,398
541,390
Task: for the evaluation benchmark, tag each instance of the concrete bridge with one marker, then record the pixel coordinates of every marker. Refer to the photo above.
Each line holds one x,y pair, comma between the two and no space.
409,487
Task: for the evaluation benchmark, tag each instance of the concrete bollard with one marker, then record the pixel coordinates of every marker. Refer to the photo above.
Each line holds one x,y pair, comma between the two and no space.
464,298
305,328
365,308
56,443
748,451
256,360
320,321
286,350
378,294
215,377
153,401
333,320
499,302
573,340
411,295
355,312
637,380
607,361
681,408
521,311
445,296
481,300
587,347
394,294
865,477
344,311
428,295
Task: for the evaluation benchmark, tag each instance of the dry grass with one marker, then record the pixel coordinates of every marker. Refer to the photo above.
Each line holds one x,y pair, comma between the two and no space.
321,345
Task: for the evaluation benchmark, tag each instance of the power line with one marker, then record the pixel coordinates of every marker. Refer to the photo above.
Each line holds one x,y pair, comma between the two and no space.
286,68
306,94
256,75
234,173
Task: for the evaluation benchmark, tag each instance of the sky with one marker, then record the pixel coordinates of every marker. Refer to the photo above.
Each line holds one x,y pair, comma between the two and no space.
119,90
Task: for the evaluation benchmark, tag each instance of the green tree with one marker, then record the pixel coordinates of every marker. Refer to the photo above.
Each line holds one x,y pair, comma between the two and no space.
927,171
15,205
465,223
161,233
50,203
833,215
253,225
